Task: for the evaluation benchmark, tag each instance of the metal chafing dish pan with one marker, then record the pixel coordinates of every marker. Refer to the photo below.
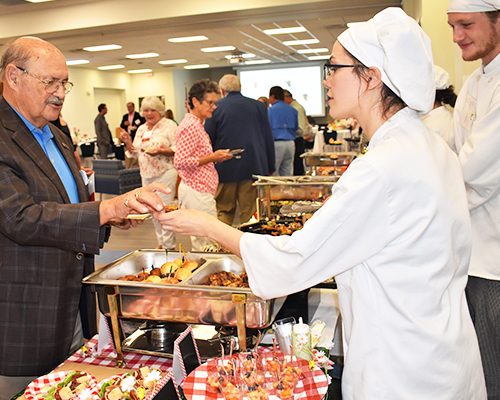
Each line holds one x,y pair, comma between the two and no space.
189,301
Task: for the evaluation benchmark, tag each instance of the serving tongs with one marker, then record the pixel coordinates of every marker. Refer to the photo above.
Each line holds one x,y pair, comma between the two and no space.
281,181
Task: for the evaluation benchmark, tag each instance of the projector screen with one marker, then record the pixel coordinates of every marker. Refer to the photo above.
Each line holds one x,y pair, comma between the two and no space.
305,84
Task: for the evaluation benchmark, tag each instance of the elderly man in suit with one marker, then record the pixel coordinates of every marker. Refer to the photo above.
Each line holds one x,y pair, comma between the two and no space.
49,232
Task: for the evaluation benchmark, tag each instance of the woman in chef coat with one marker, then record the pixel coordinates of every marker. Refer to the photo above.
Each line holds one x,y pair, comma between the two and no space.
439,119
395,233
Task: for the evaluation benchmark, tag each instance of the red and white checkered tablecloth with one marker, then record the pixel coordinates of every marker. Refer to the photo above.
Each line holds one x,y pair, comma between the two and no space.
313,385
108,354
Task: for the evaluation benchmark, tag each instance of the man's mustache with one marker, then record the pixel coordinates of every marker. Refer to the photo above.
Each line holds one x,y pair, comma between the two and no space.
54,100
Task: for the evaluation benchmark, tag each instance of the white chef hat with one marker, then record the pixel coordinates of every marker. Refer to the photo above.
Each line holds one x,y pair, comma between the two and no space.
468,6
395,44
441,78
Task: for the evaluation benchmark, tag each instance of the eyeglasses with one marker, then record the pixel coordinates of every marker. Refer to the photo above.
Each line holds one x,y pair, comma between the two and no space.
210,102
51,86
330,69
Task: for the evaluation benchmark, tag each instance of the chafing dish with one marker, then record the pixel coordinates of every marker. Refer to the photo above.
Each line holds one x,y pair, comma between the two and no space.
276,192
189,301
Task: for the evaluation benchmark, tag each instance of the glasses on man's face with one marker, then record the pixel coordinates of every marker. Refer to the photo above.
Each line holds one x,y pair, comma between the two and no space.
330,69
53,85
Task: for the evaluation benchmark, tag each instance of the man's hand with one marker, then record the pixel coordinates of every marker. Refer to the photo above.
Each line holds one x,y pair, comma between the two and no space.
138,201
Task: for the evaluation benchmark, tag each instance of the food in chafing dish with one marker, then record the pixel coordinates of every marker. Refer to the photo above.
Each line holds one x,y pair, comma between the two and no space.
130,386
170,272
228,279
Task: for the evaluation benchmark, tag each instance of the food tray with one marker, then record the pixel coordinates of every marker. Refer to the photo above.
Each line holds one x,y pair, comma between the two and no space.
189,301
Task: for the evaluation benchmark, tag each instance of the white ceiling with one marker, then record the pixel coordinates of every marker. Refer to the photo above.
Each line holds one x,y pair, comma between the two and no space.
142,26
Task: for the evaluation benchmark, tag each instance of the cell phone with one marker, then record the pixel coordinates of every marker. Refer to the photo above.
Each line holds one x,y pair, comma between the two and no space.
236,151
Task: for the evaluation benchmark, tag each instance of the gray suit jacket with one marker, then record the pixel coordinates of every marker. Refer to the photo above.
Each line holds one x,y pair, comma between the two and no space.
102,131
46,248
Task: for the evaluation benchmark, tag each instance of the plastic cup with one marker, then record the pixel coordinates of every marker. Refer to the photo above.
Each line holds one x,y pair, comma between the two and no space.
283,331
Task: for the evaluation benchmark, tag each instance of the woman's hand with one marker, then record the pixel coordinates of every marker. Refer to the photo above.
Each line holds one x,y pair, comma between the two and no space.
159,151
197,223
222,155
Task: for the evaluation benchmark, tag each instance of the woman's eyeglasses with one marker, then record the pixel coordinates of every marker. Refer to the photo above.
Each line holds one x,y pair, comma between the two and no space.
329,69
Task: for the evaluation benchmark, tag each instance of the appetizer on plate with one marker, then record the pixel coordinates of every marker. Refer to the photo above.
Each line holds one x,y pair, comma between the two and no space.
62,385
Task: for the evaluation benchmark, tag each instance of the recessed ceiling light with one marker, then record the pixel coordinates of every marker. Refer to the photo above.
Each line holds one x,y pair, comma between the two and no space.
199,66
187,39
306,51
140,71
103,47
143,55
220,48
244,55
76,62
167,62
297,42
351,24
108,67
37,1
312,58
281,31
253,62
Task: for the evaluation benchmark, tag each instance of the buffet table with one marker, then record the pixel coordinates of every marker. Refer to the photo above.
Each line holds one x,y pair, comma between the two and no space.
323,304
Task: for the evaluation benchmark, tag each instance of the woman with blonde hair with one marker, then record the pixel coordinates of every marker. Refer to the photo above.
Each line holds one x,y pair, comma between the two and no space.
154,147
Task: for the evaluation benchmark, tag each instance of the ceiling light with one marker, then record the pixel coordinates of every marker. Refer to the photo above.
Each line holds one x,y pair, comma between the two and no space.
168,62
295,29
351,24
37,1
306,51
144,55
220,48
103,47
253,62
108,67
140,71
244,55
199,66
297,42
187,39
76,62
312,58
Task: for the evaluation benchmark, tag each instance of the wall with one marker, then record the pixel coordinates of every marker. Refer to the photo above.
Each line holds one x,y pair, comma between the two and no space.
79,108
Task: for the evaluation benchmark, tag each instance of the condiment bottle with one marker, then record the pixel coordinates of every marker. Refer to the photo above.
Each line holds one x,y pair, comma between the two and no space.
301,340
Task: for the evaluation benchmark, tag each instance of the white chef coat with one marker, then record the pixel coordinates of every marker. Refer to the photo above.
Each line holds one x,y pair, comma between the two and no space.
478,153
438,120
396,235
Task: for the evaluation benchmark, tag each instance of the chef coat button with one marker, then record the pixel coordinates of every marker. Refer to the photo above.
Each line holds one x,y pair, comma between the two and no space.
79,256
489,80
478,78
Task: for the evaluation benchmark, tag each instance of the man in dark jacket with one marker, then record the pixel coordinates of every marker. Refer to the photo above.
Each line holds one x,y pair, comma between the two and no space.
130,122
239,122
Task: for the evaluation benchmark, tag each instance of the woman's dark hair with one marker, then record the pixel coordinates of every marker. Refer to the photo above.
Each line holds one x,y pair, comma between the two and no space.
446,96
390,100
200,89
